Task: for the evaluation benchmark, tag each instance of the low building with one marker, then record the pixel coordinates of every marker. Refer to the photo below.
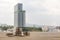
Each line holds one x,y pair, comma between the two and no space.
45,29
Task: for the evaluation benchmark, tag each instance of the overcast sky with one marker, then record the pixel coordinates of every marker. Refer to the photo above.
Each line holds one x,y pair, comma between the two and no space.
38,12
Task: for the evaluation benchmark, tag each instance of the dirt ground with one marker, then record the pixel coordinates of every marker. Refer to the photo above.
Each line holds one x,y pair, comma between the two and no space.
33,36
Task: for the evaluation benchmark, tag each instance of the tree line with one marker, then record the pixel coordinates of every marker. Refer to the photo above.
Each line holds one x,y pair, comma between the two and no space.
24,28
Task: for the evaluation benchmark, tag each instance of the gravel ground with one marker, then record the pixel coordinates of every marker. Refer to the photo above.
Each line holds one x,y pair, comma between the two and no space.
33,36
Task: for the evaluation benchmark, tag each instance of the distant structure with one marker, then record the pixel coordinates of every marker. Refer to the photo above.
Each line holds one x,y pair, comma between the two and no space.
19,21
19,16
45,29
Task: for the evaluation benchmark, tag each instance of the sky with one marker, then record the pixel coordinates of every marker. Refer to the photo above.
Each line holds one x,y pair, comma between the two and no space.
40,12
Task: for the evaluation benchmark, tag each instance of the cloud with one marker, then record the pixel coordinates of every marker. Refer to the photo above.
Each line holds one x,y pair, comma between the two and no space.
42,11
53,6
6,11
37,11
